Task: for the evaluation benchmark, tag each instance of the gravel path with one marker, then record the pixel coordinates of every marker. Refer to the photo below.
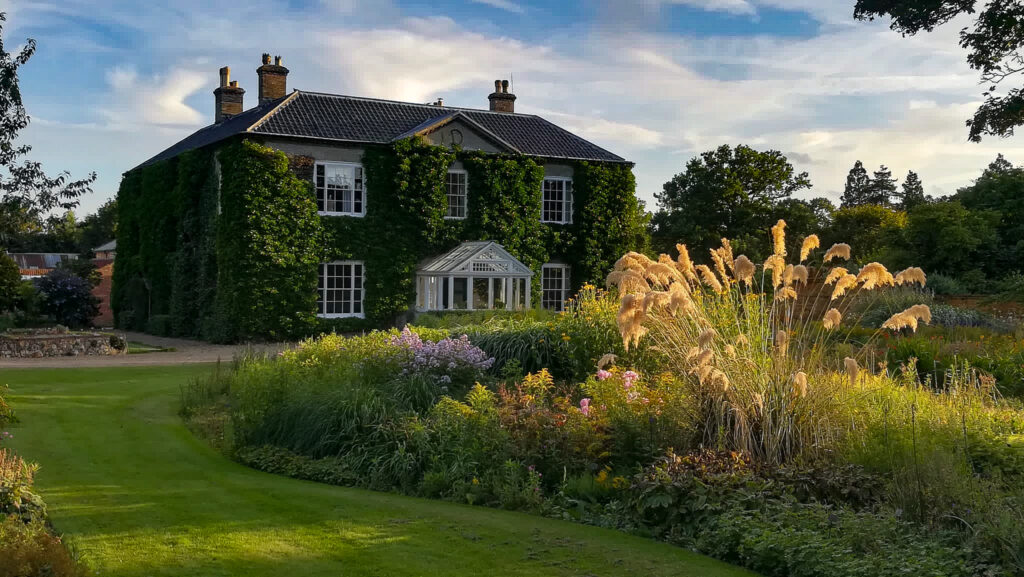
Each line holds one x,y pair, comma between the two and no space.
185,351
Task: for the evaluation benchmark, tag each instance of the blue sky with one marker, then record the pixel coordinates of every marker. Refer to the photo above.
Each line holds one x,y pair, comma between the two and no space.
657,81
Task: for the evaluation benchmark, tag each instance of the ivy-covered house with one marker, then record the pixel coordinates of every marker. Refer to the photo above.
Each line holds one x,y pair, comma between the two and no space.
311,211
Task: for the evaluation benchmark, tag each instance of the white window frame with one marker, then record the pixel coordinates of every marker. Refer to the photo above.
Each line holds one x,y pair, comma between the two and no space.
322,290
566,199
544,300
358,178
465,195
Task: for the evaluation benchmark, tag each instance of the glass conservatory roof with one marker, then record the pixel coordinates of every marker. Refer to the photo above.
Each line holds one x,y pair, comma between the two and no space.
476,258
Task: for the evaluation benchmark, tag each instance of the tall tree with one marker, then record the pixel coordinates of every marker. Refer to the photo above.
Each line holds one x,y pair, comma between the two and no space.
26,192
913,192
882,188
726,192
994,42
1000,190
858,185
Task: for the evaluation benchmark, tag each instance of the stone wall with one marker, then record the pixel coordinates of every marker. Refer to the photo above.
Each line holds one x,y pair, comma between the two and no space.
55,345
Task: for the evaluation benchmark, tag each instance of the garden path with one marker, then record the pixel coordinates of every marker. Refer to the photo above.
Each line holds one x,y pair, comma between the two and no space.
140,496
185,351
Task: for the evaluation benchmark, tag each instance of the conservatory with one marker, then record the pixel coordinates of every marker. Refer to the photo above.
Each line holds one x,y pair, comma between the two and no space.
478,275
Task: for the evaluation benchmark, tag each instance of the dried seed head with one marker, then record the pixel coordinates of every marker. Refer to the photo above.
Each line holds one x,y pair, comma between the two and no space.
679,301
909,318
608,359
779,238
730,351
782,341
800,384
707,336
874,275
777,265
785,293
744,270
800,274
716,258
836,274
656,300
742,340
922,312
832,319
632,261
661,273
787,275
718,379
810,243
684,264
628,281
852,370
709,278
843,284
910,276
726,252
838,250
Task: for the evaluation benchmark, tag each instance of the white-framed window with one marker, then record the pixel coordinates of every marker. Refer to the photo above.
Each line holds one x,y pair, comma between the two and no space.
340,289
556,200
458,188
339,189
554,286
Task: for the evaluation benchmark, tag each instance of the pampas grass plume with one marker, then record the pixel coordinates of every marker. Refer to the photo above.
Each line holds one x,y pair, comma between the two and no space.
810,243
833,318
838,250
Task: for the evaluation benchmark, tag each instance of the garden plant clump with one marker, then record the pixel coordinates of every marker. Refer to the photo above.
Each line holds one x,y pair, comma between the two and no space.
735,409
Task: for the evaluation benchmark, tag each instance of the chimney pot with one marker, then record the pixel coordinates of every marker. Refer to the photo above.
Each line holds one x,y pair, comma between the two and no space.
501,100
227,98
273,79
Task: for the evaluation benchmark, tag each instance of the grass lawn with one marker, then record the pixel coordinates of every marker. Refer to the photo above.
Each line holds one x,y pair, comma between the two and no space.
138,495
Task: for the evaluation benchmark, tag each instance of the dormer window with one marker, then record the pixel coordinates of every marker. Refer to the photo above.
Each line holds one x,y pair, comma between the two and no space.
556,201
339,189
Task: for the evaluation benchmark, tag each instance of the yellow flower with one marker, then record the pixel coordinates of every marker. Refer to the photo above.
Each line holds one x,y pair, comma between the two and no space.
565,337
476,481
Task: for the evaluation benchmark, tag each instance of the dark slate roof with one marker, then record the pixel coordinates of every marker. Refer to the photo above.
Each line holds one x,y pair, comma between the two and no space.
371,121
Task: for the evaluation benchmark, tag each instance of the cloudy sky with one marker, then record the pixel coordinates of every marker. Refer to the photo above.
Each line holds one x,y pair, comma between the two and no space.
656,81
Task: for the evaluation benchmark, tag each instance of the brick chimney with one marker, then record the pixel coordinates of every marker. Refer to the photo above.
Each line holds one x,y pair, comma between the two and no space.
501,99
227,98
273,79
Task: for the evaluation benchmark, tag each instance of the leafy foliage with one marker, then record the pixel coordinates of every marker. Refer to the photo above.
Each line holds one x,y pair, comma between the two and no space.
10,282
993,42
726,192
67,298
26,192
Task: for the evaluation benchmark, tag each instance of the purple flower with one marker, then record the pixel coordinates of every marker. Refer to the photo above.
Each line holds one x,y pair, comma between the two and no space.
585,407
603,374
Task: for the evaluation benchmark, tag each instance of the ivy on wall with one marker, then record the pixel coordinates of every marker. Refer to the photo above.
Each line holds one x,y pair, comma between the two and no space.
235,254
270,243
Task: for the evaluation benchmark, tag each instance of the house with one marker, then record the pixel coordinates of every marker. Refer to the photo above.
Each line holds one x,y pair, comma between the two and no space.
37,264
106,251
475,209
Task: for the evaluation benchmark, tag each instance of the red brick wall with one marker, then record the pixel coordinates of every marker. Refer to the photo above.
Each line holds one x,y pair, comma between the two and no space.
102,292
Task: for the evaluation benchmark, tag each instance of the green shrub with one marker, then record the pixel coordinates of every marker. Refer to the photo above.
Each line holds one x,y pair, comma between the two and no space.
67,298
942,284
159,325
10,280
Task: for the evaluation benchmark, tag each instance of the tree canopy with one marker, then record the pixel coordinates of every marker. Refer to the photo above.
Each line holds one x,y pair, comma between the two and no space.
993,43
26,193
726,192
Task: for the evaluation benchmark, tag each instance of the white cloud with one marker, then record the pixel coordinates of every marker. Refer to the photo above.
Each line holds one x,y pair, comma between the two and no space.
154,101
730,6
506,5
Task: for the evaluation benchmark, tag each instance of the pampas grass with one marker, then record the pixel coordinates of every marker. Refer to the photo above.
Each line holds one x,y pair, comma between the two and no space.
757,372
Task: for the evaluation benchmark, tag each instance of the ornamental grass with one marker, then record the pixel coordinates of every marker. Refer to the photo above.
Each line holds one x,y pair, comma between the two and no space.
754,354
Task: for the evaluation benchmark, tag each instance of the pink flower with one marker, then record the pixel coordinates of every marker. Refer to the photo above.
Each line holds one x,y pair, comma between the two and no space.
603,374
585,407
630,377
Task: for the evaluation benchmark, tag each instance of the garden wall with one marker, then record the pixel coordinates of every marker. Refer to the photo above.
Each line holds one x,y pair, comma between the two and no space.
34,346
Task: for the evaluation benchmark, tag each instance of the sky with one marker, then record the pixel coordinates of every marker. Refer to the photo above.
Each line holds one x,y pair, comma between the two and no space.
656,81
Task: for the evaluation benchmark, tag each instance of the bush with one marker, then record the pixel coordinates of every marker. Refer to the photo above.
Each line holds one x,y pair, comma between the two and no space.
10,281
29,550
67,298
942,284
159,325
